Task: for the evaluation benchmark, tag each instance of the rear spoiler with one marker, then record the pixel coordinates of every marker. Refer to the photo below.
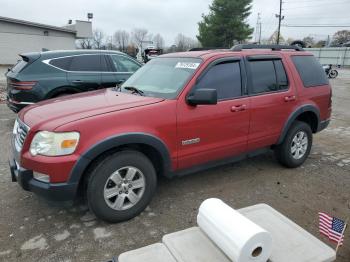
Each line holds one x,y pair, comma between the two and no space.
30,57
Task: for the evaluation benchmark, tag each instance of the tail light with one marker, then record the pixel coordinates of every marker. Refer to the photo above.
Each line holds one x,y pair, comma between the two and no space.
27,85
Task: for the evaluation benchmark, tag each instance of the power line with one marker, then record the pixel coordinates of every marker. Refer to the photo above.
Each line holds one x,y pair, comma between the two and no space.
316,6
311,1
313,17
286,25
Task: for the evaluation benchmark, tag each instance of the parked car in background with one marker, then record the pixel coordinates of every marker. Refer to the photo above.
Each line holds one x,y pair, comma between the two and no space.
180,113
39,76
330,71
151,53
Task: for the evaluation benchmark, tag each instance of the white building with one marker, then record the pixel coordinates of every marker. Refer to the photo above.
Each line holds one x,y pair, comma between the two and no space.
18,36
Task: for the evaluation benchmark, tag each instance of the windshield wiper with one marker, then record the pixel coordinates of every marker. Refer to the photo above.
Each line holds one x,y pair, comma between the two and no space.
134,90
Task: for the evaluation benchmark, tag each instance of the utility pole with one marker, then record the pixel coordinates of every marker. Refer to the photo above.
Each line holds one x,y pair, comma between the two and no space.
260,26
280,18
258,29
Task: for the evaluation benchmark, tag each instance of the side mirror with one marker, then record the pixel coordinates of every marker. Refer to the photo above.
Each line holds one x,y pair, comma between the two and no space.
120,82
203,97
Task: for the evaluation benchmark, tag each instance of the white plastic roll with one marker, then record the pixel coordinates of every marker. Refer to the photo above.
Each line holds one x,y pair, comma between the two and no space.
238,237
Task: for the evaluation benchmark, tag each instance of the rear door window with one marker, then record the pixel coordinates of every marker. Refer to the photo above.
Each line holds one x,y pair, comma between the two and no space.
225,78
281,75
310,71
267,76
86,63
61,63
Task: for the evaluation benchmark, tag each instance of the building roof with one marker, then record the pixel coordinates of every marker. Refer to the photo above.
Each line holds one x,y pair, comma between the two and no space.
23,22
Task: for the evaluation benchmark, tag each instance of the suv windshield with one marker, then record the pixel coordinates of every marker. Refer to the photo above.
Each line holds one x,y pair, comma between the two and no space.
162,77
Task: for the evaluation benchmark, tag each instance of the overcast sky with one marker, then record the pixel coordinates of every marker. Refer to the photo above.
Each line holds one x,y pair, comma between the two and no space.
170,17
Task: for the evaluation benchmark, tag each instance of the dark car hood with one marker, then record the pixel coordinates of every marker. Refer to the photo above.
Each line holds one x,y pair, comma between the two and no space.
59,111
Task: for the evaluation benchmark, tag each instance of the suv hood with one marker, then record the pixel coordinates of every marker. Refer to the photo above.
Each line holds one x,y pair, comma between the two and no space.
58,111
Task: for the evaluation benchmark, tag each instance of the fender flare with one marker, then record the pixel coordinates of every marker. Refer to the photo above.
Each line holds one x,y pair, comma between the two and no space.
293,116
115,141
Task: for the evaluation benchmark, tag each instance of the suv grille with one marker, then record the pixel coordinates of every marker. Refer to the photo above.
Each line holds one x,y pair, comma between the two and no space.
20,132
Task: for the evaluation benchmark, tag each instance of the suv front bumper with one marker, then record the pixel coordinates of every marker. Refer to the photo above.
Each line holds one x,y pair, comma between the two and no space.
50,191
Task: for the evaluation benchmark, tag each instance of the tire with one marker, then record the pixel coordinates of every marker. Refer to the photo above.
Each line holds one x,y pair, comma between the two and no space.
107,184
293,152
62,95
333,74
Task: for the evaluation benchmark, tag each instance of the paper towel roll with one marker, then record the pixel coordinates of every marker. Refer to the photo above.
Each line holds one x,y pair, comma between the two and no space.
238,237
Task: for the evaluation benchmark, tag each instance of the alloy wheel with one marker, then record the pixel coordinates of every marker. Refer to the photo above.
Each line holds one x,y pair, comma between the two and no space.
299,145
124,188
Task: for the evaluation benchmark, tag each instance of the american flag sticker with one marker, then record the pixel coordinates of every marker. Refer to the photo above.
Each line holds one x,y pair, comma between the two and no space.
332,227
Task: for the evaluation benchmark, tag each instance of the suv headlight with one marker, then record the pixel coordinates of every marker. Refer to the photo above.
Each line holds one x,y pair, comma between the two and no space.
54,144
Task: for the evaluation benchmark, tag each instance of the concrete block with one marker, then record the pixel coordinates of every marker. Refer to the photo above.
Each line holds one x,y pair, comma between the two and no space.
290,241
192,245
153,253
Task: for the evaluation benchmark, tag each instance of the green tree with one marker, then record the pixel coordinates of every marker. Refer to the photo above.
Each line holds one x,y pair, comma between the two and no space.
225,23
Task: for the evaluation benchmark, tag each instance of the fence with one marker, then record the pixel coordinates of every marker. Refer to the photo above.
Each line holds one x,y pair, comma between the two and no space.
332,55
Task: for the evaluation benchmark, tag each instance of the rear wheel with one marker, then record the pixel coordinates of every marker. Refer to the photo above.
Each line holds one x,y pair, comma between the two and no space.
121,186
296,146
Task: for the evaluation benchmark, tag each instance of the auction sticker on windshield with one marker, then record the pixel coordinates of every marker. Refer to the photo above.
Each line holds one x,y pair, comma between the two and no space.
187,65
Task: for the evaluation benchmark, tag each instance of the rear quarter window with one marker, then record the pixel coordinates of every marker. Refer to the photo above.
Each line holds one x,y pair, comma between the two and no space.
310,71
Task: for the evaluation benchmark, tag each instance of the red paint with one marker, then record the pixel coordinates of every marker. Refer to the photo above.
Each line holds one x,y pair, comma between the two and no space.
229,128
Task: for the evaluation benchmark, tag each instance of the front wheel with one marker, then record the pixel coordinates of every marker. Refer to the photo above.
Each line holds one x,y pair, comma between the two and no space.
121,186
296,146
333,73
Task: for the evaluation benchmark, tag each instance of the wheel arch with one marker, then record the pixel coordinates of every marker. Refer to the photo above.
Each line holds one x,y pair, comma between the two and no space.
309,114
61,90
153,147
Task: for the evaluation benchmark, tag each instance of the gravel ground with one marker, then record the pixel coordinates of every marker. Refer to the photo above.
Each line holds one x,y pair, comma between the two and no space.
32,229
2,91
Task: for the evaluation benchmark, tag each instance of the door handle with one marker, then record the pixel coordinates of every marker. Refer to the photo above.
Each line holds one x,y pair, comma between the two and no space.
290,98
238,108
77,81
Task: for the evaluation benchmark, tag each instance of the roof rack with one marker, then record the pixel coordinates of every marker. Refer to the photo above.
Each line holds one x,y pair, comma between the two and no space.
272,47
207,48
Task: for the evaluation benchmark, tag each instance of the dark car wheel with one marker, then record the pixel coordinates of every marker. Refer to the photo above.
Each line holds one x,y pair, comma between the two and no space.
333,73
121,186
296,146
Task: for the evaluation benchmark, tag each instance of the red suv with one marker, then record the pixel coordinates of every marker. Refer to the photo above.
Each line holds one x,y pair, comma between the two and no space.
178,114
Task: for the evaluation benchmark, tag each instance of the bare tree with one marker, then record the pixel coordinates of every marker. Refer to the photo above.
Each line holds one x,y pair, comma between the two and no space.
86,43
159,41
139,35
341,37
98,37
121,38
184,43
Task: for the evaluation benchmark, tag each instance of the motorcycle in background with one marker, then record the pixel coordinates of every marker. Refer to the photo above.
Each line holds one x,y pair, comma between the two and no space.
330,71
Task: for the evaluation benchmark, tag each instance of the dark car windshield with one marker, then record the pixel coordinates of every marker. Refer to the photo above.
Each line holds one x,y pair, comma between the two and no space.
163,77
